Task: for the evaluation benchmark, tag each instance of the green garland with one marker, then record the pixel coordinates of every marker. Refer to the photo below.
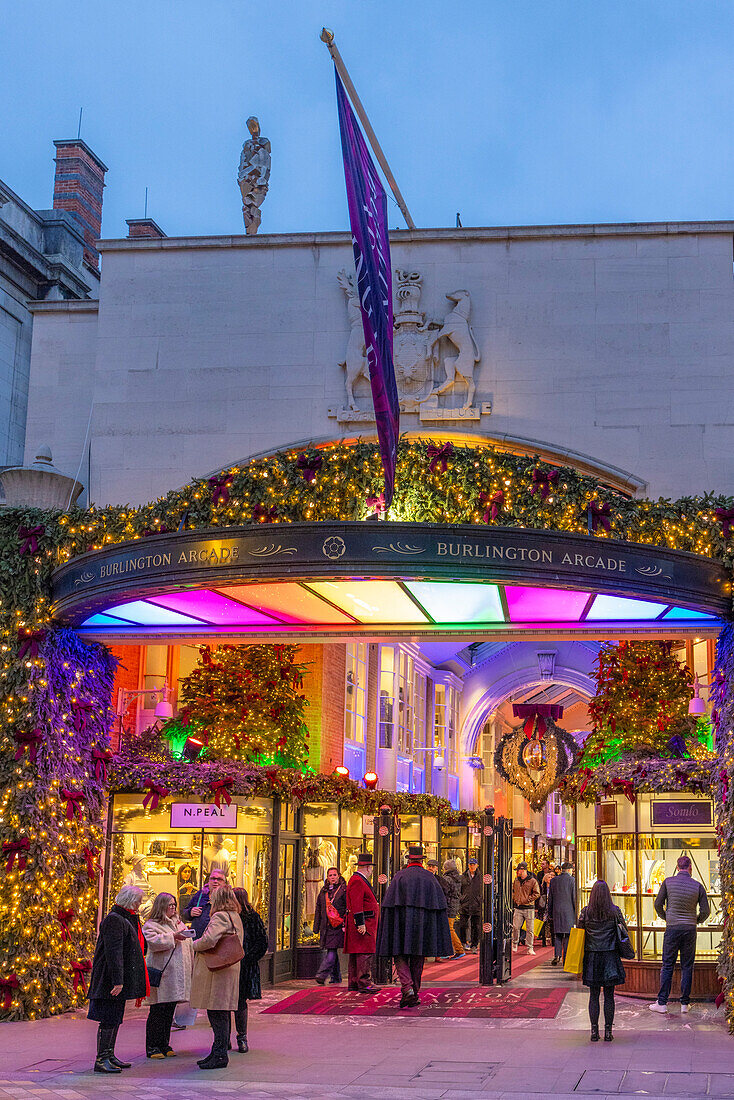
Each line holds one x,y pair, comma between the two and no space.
468,484
130,772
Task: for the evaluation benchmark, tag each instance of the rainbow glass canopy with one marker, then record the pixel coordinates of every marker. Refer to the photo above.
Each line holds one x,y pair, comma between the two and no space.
338,605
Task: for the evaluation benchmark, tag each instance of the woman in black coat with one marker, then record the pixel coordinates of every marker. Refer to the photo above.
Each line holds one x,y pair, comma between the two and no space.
118,974
602,966
255,944
331,938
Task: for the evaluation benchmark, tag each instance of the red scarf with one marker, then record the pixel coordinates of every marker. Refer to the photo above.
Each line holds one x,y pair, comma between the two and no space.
141,941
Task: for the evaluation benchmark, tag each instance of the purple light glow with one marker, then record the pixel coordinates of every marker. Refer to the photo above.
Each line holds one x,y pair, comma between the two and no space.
213,608
541,605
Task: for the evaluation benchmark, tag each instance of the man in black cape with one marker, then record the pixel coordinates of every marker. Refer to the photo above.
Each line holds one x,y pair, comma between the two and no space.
414,924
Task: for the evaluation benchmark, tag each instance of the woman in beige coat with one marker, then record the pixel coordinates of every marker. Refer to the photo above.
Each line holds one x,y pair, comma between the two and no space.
169,949
217,990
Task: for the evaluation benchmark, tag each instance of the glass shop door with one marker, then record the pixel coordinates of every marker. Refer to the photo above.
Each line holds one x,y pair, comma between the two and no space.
286,909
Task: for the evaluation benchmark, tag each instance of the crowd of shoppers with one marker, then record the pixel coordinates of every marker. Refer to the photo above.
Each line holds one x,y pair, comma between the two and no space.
214,964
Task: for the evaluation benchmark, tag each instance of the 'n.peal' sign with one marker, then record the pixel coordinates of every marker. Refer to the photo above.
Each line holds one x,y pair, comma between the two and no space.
203,815
696,813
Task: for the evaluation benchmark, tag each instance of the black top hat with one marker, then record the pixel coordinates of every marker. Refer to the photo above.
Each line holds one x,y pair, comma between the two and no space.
364,859
415,851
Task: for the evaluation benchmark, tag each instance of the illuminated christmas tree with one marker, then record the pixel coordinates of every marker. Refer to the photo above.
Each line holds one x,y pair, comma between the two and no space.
641,703
245,703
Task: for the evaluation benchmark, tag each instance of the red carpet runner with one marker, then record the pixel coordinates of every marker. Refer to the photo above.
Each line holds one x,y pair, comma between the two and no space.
520,1003
466,971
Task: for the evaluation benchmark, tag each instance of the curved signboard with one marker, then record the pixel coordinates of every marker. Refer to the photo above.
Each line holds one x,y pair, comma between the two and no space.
210,559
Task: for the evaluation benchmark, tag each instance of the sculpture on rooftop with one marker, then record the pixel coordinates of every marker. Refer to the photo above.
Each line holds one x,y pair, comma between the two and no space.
253,175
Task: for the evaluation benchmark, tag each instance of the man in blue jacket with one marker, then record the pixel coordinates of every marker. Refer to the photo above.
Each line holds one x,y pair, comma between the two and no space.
682,904
198,911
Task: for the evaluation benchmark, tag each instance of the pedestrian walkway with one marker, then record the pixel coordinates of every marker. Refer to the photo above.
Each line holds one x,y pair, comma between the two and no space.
397,1058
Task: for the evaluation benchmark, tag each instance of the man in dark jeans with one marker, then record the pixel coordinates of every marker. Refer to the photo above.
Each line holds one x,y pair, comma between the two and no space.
682,904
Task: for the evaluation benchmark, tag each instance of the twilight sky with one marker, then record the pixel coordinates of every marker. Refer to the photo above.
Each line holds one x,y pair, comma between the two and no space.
509,111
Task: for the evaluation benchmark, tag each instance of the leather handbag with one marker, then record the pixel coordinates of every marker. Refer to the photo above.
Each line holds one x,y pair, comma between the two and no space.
626,950
226,952
333,916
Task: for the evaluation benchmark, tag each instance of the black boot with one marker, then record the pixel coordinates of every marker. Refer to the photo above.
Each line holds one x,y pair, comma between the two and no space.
105,1041
240,1019
608,1037
214,1061
595,1033
113,1057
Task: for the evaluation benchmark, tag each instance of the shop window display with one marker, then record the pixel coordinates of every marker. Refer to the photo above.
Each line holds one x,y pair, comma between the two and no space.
147,852
635,860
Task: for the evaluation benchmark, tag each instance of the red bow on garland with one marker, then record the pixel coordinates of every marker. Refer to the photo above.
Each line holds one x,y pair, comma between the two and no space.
93,868
309,467
599,516
220,489
29,537
27,739
376,505
16,849
161,529
74,801
495,504
439,456
536,712
726,518
29,641
154,795
79,970
64,917
724,777
80,713
7,988
587,774
220,790
101,758
543,482
261,514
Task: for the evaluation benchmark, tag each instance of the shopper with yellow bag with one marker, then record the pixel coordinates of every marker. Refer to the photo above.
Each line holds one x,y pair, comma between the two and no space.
606,943
562,910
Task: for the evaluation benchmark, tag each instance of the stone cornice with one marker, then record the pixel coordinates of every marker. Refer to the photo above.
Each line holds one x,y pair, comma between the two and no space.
415,236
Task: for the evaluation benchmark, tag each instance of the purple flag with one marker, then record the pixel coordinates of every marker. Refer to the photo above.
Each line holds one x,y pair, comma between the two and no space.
368,219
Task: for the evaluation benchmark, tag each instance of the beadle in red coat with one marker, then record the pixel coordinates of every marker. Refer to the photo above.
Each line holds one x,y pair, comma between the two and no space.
362,912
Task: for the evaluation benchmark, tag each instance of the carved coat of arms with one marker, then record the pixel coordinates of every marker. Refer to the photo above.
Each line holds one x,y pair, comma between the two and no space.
431,358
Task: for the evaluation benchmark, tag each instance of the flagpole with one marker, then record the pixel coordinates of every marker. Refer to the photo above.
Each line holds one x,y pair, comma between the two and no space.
327,37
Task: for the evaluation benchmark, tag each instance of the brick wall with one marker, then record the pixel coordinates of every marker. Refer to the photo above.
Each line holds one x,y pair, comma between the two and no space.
323,686
127,677
333,690
144,229
78,186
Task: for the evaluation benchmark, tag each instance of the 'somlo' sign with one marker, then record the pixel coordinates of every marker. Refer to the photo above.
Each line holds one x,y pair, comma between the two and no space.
203,815
681,813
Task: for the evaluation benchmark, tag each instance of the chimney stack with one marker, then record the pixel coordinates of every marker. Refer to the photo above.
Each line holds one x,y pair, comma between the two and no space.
78,188
144,228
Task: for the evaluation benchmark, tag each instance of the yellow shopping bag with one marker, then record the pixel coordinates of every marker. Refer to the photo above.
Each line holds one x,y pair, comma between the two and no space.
537,927
575,953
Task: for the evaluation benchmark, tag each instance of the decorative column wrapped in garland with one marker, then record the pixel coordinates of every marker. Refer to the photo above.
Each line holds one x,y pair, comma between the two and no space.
53,776
722,697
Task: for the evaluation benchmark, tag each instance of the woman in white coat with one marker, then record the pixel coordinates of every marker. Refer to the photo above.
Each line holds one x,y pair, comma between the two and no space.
169,949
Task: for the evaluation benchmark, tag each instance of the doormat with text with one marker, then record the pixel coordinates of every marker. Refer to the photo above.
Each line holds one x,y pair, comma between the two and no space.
498,1004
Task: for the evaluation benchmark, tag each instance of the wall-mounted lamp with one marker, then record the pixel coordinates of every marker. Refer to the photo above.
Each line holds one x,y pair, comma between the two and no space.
696,706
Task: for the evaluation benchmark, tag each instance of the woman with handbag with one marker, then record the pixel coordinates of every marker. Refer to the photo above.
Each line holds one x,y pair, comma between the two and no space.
606,943
170,961
254,944
215,984
328,922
